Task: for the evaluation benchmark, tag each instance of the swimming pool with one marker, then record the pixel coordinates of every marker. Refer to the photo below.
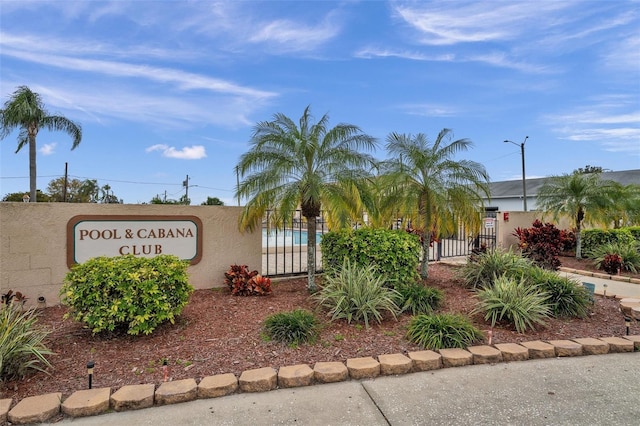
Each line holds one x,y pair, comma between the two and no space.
287,237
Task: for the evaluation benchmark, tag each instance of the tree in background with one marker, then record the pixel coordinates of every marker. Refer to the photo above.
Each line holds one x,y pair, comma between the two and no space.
212,201
306,165
588,169
625,205
19,197
424,178
583,197
25,111
182,201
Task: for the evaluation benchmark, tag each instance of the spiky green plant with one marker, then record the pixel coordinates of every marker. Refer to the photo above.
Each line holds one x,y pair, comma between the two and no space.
566,296
516,301
293,328
419,299
357,293
21,343
486,267
442,331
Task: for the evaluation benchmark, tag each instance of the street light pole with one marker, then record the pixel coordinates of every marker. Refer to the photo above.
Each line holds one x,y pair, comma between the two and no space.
524,180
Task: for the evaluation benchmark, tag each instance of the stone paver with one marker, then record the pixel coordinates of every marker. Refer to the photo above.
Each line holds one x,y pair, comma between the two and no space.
539,349
87,402
618,344
484,354
258,380
363,368
330,372
35,409
133,397
394,364
635,340
591,346
455,357
176,391
294,376
513,352
218,385
566,347
4,409
425,360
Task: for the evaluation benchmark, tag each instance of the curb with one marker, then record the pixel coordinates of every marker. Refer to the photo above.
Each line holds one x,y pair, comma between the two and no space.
92,402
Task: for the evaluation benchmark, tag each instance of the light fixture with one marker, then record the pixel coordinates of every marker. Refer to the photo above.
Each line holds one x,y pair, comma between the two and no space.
524,181
90,366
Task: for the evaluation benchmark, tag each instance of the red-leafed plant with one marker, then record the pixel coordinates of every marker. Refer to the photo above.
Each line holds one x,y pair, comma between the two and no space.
612,263
243,282
542,243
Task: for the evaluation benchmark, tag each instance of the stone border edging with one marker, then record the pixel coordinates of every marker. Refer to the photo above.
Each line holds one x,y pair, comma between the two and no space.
91,402
620,278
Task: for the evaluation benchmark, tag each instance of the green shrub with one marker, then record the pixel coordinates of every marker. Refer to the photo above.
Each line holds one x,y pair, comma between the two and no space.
356,293
393,254
515,301
629,254
243,282
635,231
483,270
127,293
419,299
442,331
593,238
293,328
21,343
565,296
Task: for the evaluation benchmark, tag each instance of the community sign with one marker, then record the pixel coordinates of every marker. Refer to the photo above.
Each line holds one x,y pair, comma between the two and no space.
91,236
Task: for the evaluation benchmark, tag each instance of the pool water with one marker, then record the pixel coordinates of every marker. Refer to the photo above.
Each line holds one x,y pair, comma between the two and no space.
287,237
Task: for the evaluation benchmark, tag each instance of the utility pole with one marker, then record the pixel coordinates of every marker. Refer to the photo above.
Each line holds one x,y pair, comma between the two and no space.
66,179
186,185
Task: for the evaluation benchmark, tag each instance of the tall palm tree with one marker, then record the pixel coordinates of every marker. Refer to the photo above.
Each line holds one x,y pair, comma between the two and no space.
25,110
306,165
427,179
625,205
583,197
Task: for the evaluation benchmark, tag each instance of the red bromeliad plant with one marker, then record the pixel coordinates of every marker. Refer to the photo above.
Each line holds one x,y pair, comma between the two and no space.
243,282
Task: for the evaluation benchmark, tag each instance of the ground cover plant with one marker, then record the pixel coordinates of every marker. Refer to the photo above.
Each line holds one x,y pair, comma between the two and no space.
219,333
440,331
293,328
617,256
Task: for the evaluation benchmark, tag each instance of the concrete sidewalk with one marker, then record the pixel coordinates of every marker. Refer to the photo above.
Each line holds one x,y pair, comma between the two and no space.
593,390
613,288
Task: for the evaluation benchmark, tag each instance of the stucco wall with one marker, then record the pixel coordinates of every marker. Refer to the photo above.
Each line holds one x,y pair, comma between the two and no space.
33,243
519,219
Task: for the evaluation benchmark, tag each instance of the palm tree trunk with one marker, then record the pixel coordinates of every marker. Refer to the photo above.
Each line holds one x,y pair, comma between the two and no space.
311,254
32,169
578,240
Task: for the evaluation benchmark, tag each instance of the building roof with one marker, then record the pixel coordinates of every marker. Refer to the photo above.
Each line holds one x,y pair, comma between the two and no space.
513,188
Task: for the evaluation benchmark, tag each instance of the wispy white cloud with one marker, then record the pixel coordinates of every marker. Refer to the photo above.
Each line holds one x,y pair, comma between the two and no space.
295,36
195,152
430,110
602,123
48,148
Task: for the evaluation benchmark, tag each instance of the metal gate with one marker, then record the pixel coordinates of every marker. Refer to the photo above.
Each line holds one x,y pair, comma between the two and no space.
284,243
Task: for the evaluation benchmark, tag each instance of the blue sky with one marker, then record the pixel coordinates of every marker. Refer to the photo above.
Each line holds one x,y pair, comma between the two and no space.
166,89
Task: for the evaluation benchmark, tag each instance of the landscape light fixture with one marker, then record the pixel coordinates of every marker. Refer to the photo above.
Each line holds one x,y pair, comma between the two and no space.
524,181
90,366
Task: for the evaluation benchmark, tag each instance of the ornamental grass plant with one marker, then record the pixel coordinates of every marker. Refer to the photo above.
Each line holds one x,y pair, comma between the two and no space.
441,331
629,253
419,299
357,293
515,301
21,343
486,267
565,296
292,328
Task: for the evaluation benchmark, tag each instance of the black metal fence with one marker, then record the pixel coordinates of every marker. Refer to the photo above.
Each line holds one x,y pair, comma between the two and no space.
284,243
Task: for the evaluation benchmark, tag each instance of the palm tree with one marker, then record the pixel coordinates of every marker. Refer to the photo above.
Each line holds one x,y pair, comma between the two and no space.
304,165
581,197
426,179
625,205
25,110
